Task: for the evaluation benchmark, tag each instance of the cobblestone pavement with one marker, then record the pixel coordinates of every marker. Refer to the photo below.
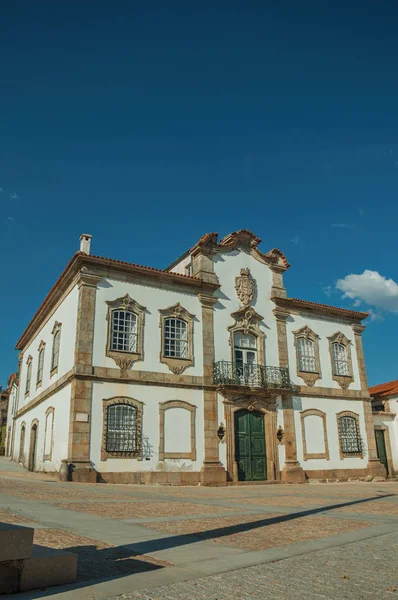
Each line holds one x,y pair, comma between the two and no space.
240,542
366,569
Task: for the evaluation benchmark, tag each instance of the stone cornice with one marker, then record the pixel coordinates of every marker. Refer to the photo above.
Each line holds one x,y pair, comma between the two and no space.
353,317
331,393
85,269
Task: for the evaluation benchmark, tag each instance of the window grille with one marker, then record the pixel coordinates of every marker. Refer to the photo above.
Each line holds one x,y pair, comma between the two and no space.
121,430
55,356
175,338
340,361
28,377
350,440
40,365
306,355
124,331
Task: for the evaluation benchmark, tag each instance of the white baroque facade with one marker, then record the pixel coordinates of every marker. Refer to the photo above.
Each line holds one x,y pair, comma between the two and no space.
206,372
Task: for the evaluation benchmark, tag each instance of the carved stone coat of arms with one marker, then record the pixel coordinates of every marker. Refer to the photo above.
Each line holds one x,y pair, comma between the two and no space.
244,286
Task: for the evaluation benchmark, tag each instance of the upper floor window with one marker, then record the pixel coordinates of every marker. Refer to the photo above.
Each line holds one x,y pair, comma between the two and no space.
125,331
340,355
121,432
56,344
28,375
40,363
340,361
176,338
245,349
307,355
350,440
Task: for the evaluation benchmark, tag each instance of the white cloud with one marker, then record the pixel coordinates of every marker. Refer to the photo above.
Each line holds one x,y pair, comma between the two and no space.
295,239
372,288
1,189
342,225
327,290
13,195
11,219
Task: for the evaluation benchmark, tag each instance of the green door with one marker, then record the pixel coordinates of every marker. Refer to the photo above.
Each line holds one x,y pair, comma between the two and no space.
250,446
381,448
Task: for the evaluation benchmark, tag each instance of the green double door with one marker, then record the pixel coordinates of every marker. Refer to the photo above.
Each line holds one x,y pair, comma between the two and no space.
381,448
250,453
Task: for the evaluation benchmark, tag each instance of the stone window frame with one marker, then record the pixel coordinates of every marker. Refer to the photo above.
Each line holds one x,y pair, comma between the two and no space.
40,352
387,442
124,360
313,455
176,364
21,450
29,362
137,454
55,330
343,380
309,377
170,404
247,321
50,410
349,413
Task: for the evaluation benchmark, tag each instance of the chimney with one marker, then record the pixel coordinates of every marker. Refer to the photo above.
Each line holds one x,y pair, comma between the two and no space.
85,243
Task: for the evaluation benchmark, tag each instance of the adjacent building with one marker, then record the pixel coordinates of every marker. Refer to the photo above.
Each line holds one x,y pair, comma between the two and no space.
385,416
205,372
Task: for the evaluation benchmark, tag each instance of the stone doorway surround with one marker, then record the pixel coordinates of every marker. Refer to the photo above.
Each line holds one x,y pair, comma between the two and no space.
266,406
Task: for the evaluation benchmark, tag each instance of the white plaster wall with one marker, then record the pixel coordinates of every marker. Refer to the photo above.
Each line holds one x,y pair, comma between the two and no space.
314,434
392,425
227,266
177,430
61,403
181,266
279,423
153,298
324,328
331,407
151,396
66,314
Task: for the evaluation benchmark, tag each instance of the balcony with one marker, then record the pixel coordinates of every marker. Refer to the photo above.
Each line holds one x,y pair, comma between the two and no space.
253,376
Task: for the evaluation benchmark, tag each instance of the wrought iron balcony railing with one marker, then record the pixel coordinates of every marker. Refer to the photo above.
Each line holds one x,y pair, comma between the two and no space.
229,373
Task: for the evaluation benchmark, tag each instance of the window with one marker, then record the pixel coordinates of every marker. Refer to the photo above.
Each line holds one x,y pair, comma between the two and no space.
245,349
340,362
350,441
40,363
21,456
56,343
121,434
307,355
175,338
124,331
28,375
48,433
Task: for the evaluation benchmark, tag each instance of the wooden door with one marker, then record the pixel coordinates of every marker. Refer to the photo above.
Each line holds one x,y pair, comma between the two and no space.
250,451
381,448
33,448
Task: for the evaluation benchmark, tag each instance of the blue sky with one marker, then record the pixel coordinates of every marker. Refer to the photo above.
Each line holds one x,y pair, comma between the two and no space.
150,123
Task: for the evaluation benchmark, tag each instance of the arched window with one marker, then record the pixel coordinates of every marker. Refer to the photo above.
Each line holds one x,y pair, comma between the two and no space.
48,433
28,375
121,428
124,331
56,344
40,363
350,440
21,455
306,355
175,338
340,360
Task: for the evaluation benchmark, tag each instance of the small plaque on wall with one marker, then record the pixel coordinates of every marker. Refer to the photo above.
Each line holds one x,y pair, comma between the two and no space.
82,417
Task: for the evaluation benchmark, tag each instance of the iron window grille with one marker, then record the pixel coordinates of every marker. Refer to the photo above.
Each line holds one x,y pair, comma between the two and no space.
175,338
306,355
340,361
54,362
124,331
350,439
28,377
40,366
122,429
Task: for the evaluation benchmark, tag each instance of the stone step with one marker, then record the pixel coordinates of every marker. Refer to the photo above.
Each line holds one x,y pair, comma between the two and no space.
48,567
15,542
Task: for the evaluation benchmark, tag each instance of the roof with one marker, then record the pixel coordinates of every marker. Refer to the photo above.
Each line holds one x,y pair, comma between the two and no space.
384,389
317,307
81,259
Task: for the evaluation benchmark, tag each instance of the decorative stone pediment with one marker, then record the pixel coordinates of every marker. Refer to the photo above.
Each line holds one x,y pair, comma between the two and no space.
126,303
177,311
309,377
246,320
245,287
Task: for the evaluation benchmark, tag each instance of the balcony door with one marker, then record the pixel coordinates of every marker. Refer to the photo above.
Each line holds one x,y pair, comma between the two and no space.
245,358
250,454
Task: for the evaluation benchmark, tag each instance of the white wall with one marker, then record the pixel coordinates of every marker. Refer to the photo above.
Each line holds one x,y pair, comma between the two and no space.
181,266
66,314
11,411
222,446
61,403
331,407
153,298
324,328
227,267
392,425
151,396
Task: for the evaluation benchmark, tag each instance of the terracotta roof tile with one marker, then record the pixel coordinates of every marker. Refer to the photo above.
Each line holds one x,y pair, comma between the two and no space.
123,262
354,313
384,389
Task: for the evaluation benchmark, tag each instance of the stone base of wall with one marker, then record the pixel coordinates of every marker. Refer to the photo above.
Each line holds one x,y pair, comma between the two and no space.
341,474
159,477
